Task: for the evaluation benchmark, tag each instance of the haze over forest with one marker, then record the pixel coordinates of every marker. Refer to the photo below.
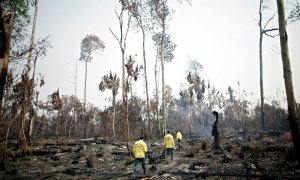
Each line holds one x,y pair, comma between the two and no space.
222,36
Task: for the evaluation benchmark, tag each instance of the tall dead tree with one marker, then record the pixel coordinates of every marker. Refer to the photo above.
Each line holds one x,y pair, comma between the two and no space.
122,41
287,75
215,131
140,13
263,30
6,23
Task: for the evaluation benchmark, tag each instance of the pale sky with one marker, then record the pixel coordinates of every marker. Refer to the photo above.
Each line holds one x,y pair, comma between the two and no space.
221,34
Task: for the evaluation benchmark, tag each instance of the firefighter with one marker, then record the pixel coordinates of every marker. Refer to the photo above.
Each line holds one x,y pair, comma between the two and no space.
139,150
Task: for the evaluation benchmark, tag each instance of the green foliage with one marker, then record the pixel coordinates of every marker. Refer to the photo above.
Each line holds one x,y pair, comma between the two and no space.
110,81
194,67
160,12
168,46
21,20
88,45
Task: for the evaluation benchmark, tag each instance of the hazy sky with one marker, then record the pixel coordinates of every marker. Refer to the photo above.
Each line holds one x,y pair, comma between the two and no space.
222,35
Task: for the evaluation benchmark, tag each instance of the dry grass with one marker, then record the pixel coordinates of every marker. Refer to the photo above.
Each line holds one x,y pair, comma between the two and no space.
285,137
205,144
90,159
267,141
195,149
228,146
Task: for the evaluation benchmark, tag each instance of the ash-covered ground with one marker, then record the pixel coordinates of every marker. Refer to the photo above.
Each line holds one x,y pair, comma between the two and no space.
243,156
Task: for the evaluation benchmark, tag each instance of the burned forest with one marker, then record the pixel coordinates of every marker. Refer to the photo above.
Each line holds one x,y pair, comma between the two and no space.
149,89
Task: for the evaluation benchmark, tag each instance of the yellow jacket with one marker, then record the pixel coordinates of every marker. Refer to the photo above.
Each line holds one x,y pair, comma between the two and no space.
139,149
178,136
169,141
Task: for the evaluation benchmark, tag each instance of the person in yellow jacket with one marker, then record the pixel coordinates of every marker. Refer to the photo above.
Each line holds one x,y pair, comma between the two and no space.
169,144
139,150
179,140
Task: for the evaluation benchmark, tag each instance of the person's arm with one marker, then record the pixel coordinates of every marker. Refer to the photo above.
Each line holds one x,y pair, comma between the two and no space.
173,142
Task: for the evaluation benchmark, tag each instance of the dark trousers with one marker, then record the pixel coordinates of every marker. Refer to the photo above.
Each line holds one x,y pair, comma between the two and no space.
137,161
170,153
179,142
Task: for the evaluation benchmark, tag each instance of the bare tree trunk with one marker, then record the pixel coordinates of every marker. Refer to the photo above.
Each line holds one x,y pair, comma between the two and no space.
29,64
122,44
22,137
123,71
287,74
146,84
262,115
164,122
70,127
84,102
190,119
126,110
6,23
114,116
157,97
216,132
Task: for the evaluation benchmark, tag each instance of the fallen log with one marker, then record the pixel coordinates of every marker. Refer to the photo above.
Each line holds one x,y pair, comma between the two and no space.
120,153
46,151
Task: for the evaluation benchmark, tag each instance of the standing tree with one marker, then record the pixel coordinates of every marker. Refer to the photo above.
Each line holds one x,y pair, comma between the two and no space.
163,42
122,40
111,82
6,23
57,104
287,74
160,12
88,45
216,132
197,86
28,70
132,73
139,11
263,30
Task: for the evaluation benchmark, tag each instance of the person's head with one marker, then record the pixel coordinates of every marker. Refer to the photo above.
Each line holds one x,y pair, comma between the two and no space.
168,132
176,131
141,138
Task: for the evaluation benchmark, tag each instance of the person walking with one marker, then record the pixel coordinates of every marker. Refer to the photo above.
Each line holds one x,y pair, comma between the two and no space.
139,150
179,140
169,145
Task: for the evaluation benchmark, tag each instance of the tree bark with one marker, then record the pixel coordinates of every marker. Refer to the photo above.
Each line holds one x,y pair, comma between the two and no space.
146,83
126,110
157,99
29,64
84,103
114,115
262,115
216,132
287,74
164,121
6,23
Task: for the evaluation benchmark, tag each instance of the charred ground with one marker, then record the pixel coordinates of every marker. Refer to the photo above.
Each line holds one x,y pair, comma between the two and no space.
243,156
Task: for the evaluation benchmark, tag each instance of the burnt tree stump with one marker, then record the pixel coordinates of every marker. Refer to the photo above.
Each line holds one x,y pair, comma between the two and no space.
216,132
